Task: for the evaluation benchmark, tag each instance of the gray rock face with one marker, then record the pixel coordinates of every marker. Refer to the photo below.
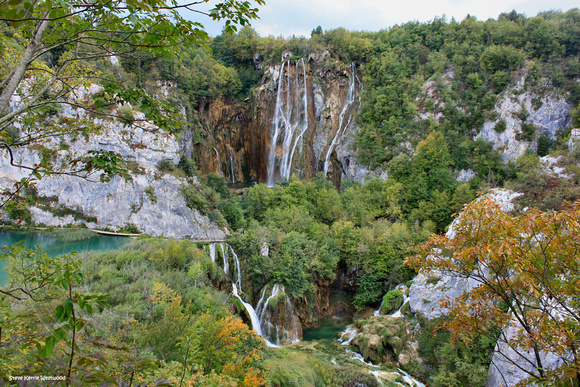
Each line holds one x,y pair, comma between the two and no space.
574,141
147,199
429,289
551,116
510,366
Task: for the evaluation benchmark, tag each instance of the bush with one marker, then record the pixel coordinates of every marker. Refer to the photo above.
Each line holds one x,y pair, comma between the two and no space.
528,132
187,166
201,198
165,165
500,126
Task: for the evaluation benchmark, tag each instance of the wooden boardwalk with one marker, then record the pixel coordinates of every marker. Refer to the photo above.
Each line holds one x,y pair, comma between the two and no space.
122,234
115,233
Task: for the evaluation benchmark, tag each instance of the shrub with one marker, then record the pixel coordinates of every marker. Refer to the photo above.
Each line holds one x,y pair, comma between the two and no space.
500,126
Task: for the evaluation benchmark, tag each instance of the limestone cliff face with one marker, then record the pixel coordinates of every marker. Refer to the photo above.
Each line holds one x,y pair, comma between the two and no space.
317,99
301,120
526,112
429,288
148,199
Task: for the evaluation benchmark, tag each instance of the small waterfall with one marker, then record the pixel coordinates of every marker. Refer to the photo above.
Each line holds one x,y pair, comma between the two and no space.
251,312
237,271
228,252
350,99
283,312
290,117
212,251
347,335
357,356
403,289
232,166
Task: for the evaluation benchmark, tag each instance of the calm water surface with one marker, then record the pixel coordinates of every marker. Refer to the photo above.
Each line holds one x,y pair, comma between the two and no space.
58,244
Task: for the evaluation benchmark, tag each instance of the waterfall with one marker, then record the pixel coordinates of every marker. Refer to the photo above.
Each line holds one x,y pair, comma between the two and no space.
403,289
347,335
232,166
267,312
251,312
290,117
212,251
227,253
350,99
225,257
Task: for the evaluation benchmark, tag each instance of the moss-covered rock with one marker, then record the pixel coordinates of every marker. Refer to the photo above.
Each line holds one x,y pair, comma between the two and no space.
392,301
386,339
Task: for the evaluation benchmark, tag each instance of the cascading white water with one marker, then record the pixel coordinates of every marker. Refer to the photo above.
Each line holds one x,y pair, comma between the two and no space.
290,117
347,335
237,271
232,166
266,312
251,312
403,289
225,257
227,252
212,251
350,99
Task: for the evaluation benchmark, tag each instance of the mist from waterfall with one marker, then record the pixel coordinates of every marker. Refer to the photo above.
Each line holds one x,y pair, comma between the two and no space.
290,118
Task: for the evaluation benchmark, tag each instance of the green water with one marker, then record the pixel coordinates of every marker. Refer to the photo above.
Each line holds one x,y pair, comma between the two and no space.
58,243
328,329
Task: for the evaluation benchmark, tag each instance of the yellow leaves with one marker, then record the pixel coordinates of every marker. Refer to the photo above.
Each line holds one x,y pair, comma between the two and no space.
163,293
527,267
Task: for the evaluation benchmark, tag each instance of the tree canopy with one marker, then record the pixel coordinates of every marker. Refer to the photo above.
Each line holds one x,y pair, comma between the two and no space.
526,270
49,49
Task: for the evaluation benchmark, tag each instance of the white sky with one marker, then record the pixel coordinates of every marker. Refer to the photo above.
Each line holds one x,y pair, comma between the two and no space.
300,17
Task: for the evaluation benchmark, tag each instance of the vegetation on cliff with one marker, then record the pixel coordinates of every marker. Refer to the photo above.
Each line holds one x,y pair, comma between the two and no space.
157,312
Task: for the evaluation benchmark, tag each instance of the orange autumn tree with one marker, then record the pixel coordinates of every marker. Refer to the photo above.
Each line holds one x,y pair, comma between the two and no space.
527,272
222,349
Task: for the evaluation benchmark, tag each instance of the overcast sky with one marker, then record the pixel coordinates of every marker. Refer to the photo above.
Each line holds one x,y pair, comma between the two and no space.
300,17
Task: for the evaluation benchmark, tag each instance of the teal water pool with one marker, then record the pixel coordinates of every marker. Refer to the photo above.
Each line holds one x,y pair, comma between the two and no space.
58,242
328,329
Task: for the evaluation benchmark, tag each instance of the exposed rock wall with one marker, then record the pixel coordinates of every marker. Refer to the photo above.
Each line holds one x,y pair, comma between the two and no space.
242,133
509,366
428,289
147,199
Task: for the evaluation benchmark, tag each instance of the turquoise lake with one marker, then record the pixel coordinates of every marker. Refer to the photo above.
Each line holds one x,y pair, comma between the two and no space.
59,243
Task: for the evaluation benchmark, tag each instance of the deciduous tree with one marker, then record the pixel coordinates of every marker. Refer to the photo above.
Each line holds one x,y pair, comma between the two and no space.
46,57
528,278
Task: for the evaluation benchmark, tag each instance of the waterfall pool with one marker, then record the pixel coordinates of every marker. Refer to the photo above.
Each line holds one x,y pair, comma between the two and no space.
58,242
329,328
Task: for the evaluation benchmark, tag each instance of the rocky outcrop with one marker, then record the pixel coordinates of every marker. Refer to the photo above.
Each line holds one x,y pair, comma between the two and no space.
574,141
386,340
146,198
278,322
509,366
524,115
429,289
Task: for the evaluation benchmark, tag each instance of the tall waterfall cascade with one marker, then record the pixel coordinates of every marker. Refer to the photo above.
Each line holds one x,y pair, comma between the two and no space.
273,305
290,119
298,116
351,98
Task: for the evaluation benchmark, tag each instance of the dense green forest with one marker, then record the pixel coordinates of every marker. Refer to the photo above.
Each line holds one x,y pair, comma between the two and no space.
159,311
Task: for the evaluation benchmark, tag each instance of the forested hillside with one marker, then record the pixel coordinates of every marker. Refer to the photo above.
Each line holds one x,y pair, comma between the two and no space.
393,133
